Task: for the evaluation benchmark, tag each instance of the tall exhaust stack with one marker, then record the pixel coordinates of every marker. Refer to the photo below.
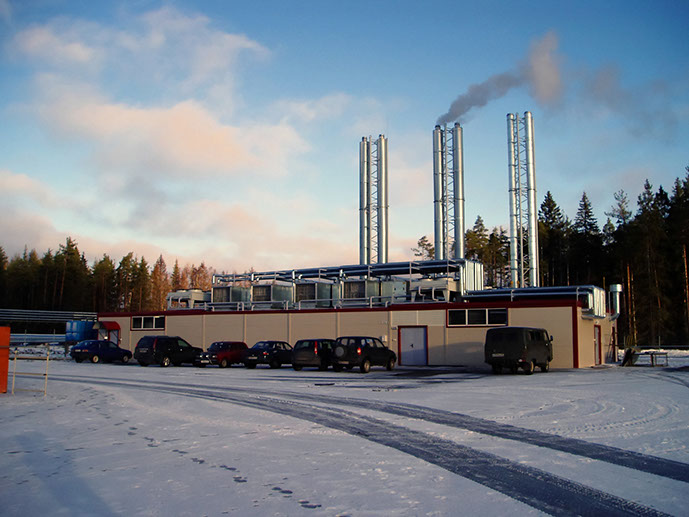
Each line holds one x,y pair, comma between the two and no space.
373,200
448,192
524,269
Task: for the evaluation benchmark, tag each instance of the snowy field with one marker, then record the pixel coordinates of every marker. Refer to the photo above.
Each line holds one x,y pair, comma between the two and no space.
112,439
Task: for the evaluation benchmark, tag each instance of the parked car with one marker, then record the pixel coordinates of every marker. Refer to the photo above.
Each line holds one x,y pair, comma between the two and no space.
165,350
222,353
274,353
99,350
362,351
518,347
312,352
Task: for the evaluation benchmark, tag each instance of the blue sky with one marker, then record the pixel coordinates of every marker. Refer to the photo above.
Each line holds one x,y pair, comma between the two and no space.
227,132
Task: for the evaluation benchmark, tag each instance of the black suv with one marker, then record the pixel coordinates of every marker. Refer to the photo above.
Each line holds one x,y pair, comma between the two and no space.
312,352
362,351
274,353
164,350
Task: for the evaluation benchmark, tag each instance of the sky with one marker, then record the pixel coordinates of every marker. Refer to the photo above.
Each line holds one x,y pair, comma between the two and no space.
227,132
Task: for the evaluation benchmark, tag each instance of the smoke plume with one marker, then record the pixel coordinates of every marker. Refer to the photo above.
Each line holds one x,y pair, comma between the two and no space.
539,71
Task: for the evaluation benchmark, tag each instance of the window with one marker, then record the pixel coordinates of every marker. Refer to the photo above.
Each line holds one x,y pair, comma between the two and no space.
457,317
476,317
497,316
148,322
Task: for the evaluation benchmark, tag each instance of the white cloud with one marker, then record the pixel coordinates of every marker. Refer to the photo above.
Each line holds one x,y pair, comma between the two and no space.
44,44
328,107
21,189
178,140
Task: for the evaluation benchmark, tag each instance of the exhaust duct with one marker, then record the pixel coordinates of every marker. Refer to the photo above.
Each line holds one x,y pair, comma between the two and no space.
524,269
448,192
373,200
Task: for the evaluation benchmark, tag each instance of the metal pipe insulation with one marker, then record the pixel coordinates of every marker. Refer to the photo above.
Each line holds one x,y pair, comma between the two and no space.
439,221
531,197
382,199
458,174
512,170
364,201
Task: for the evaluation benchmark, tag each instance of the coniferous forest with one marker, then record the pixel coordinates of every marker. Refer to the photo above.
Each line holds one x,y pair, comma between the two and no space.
642,245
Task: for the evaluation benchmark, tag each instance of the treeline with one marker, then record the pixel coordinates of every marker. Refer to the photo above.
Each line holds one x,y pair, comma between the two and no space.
644,248
64,281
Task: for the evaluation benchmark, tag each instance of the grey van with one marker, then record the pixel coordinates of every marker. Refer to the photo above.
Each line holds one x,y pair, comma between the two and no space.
518,347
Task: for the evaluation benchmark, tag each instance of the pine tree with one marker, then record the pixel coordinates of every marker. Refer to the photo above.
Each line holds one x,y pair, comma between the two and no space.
176,279
553,242
160,285
73,277
620,210
124,281
587,242
141,287
650,264
476,240
104,289
424,249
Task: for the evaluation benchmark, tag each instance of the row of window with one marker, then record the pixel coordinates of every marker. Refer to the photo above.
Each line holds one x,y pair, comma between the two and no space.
148,322
455,318
466,317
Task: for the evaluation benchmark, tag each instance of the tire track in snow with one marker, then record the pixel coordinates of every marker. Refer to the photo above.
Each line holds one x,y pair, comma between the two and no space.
663,467
537,488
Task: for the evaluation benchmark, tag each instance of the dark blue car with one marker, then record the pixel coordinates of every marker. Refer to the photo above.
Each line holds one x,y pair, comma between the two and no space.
99,350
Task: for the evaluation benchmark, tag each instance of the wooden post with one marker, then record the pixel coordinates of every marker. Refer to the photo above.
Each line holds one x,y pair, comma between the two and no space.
4,357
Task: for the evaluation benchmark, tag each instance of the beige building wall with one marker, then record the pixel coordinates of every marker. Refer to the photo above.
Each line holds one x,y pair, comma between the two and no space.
557,321
365,323
265,325
465,346
312,325
224,327
446,345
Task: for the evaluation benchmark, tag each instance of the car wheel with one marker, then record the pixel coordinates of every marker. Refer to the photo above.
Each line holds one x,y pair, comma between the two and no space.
297,367
391,364
275,364
223,363
125,359
365,366
250,365
545,367
323,366
528,368
142,364
350,367
497,369
95,359
165,362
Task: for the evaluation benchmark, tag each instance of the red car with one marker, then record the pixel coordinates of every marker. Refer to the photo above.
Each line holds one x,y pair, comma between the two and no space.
222,353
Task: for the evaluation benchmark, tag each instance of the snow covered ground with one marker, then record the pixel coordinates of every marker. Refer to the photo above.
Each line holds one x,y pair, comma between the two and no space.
112,439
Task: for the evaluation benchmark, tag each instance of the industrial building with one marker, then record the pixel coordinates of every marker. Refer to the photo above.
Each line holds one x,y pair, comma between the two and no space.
433,312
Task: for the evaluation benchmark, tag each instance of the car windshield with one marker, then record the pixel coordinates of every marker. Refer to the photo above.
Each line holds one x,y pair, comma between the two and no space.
262,345
215,347
303,344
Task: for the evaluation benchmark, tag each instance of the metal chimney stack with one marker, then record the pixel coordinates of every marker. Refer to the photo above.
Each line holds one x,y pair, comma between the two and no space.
373,200
448,192
524,268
